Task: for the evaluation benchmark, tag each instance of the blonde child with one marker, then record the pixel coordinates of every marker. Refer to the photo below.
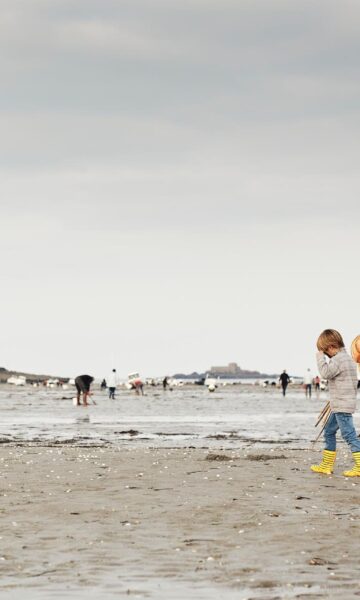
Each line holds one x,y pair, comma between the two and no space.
340,371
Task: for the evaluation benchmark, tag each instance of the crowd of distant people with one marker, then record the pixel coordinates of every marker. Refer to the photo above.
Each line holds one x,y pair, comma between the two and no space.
83,384
309,383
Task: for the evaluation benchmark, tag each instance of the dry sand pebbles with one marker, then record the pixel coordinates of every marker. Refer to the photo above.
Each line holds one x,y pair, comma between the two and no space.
166,523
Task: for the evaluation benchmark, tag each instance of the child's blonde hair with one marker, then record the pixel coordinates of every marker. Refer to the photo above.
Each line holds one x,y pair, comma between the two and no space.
329,337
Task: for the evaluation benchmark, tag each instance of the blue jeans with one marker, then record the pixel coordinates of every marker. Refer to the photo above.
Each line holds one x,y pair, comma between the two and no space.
344,422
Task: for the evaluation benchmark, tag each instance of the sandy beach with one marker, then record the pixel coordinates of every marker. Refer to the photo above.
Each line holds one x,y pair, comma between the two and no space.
179,224
170,522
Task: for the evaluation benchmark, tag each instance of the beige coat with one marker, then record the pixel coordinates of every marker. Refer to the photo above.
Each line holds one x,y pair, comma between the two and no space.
340,372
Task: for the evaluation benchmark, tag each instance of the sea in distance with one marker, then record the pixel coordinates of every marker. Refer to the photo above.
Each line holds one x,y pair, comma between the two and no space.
233,416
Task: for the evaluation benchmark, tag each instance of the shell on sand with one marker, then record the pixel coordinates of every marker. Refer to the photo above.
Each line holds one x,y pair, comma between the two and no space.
355,349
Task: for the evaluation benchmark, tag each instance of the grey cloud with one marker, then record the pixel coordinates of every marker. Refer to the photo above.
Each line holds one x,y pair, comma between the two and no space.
205,147
125,56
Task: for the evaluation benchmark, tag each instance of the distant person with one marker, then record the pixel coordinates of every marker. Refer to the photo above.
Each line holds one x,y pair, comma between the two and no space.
308,383
103,385
284,380
83,383
112,383
165,382
340,371
138,387
316,382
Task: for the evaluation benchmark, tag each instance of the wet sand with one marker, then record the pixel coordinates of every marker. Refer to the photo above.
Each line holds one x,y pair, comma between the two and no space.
244,416
175,523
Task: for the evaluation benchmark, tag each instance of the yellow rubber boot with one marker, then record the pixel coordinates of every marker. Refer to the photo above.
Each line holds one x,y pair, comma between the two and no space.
355,471
327,464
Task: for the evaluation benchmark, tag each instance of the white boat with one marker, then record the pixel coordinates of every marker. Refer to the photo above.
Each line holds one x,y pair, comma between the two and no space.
133,381
17,380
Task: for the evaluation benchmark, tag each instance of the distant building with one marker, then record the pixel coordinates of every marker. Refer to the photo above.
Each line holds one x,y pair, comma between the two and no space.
232,370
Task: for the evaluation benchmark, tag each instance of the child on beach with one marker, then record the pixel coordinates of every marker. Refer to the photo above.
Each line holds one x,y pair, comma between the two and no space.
340,372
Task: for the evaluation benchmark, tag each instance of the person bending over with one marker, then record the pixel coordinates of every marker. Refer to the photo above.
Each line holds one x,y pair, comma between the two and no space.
83,383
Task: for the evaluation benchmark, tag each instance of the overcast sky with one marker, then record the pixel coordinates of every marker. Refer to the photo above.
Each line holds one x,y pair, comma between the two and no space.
179,183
